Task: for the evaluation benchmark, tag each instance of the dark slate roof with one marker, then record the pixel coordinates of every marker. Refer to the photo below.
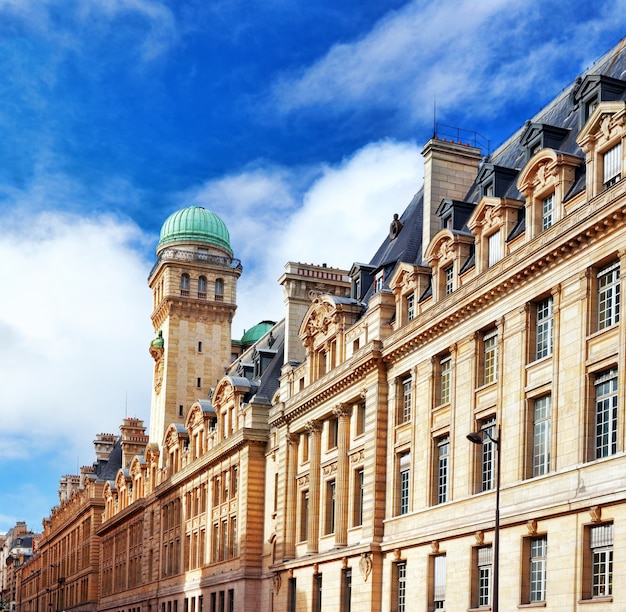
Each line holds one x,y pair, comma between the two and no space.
262,387
107,469
562,112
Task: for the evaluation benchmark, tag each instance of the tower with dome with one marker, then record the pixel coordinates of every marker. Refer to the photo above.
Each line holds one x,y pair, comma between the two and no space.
194,290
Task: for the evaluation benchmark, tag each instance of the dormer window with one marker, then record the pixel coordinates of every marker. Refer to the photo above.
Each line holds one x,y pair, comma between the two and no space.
378,281
410,306
449,279
547,212
494,248
612,165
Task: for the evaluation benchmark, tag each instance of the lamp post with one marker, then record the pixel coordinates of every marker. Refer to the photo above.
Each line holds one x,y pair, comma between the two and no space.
477,437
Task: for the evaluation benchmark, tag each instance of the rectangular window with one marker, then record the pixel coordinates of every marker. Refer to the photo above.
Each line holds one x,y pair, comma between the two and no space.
406,400
378,282
291,595
487,452
543,329
359,496
333,432
346,588
317,592
612,166
601,545
494,249
410,307
608,296
360,418
304,515
547,212
439,581
445,379
484,557
404,482
331,489
449,279
490,357
401,587
542,414
538,548
443,467
606,414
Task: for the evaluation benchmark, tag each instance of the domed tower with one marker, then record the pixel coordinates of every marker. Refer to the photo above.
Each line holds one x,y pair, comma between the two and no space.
194,289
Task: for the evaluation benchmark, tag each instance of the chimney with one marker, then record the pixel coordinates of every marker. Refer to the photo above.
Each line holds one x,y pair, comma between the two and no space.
134,439
301,283
449,171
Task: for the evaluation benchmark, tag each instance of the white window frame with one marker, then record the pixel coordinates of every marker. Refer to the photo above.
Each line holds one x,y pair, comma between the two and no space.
612,165
608,295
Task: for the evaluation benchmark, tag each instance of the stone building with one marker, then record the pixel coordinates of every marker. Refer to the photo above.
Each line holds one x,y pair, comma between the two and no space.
491,310
443,427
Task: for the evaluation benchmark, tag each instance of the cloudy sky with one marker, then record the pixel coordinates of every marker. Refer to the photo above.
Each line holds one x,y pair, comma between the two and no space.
299,123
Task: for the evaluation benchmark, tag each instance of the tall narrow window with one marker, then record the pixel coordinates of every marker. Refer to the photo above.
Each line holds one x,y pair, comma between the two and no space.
542,414
601,545
410,307
401,586
331,490
449,279
184,283
490,357
484,576
404,482
612,166
359,497
487,467
346,588
291,595
202,287
406,402
547,212
304,515
608,296
443,469
494,249
543,329
439,582
317,592
219,290
445,379
606,414
360,418
538,547
333,432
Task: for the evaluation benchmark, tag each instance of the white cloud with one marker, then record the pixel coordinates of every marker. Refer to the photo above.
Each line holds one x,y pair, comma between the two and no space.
75,323
333,214
478,55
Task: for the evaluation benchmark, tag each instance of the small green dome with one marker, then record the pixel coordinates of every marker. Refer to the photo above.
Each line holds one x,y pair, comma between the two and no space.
256,332
195,224
158,342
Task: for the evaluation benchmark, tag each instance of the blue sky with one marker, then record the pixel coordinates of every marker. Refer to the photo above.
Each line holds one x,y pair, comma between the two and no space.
299,123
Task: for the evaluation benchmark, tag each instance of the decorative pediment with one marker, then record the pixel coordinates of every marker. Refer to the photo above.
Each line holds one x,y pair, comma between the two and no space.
444,246
137,466
121,479
545,169
224,393
174,434
404,278
605,124
322,314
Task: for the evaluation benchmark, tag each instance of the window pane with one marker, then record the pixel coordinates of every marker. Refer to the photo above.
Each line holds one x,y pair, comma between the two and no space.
544,329
547,212
490,358
541,435
494,248
613,165
606,414
608,296
443,462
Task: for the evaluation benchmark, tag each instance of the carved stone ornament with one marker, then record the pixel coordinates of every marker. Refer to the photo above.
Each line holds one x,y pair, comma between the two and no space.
365,565
531,525
320,318
434,546
343,410
277,580
293,439
397,554
596,513
314,427
479,536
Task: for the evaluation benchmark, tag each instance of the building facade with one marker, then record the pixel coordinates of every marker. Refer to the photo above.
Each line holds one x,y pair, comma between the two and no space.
443,427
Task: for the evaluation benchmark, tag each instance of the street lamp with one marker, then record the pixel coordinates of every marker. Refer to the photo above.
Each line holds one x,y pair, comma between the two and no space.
478,437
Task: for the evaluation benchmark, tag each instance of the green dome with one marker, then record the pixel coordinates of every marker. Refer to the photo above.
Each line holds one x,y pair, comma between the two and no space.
195,224
255,333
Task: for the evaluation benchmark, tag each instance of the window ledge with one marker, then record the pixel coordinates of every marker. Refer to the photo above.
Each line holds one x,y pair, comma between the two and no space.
607,599
534,604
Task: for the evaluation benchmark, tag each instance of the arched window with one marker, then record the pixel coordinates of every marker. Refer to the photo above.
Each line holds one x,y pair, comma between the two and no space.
184,284
219,289
202,287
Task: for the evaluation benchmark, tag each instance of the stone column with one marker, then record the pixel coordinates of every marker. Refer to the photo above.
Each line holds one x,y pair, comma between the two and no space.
343,413
290,499
315,458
